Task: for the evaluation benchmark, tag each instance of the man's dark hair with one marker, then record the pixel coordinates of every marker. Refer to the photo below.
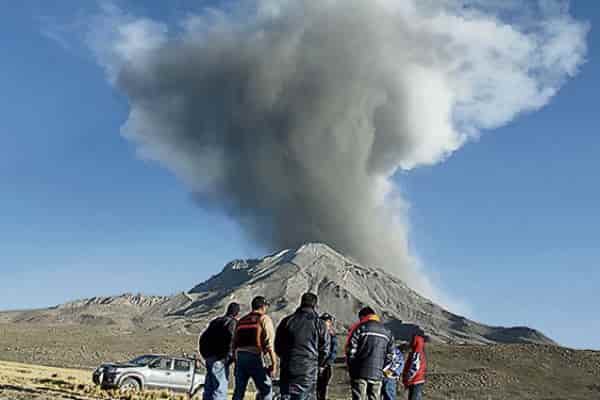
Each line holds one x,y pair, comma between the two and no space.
309,300
258,302
233,309
327,317
421,332
365,311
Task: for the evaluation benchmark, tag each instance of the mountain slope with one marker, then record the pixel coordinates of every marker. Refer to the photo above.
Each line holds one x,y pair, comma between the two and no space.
342,284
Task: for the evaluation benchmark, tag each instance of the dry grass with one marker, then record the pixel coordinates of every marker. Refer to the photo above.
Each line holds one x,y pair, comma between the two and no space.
27,382
24,381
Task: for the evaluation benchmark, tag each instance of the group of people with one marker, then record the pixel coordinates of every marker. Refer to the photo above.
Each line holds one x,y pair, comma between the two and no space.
305,345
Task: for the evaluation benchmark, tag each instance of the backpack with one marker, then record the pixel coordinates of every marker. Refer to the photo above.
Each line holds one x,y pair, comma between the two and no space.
215,341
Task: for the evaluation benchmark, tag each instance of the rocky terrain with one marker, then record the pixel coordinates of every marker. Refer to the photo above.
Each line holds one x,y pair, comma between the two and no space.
343,286
465,372
466,359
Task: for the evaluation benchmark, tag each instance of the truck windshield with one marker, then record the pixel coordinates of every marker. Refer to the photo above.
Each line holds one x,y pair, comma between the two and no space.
143,360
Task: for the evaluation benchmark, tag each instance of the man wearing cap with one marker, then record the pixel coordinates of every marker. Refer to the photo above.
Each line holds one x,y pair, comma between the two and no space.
326,372
254,337
302,344
216,346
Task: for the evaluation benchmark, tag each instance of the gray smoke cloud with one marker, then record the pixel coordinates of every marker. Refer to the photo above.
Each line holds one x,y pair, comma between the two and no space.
294,116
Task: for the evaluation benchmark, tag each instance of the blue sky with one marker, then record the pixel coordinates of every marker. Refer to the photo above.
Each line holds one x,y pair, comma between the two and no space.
508,224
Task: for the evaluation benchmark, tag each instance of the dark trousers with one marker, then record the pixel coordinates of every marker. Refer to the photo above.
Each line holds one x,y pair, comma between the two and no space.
308,395
297,391
415,392
388,390
323,382
250,365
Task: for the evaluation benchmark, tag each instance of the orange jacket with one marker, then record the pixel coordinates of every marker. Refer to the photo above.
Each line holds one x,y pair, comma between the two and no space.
416,364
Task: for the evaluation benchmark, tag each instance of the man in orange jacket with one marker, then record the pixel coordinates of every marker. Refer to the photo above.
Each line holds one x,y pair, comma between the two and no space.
369,348
415,368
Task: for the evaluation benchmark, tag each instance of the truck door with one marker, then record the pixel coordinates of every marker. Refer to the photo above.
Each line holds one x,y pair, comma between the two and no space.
181,378
159,373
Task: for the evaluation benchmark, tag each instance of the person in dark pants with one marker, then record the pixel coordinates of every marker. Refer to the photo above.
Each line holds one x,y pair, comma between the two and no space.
326,372
369,348
254,338
391,373
415,369
216,347
302,344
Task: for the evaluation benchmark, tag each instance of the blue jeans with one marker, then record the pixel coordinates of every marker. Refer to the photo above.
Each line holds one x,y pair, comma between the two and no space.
217,376
415,392
388,390
250,365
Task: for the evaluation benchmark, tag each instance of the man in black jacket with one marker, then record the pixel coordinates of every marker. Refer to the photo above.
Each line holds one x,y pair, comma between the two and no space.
216,347
369,347
302,344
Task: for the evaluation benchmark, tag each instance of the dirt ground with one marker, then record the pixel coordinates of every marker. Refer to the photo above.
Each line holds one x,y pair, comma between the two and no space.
465,372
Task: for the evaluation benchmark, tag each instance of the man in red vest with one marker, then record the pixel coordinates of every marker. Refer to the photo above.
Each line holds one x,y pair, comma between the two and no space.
254,337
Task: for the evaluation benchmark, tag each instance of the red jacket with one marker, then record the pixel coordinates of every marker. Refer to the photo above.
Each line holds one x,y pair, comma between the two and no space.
416,365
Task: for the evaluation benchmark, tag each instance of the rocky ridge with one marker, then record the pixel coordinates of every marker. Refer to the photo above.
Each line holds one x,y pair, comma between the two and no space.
343,286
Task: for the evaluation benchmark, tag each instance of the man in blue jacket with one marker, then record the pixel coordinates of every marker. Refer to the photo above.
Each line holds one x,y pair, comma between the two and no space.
326,372
369,348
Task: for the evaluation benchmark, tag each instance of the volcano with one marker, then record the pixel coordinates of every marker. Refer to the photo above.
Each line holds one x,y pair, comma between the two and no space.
342,284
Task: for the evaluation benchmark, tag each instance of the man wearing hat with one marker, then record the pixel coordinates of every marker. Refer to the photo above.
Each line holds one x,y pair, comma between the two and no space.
326,372
254,338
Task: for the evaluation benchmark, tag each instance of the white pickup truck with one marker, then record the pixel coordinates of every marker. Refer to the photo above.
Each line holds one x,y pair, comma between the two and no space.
151,372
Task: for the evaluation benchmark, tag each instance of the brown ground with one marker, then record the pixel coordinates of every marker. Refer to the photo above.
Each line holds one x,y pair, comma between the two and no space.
455,372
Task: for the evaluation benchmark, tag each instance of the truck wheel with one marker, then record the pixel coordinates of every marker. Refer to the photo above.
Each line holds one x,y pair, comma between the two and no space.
129,385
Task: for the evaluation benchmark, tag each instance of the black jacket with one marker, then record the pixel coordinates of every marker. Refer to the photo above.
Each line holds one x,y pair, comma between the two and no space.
370,346
302,344
217,340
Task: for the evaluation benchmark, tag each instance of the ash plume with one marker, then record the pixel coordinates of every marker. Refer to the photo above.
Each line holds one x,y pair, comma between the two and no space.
294,116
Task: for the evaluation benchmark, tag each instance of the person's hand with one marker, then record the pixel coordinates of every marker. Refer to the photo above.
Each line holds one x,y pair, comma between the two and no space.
271,369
